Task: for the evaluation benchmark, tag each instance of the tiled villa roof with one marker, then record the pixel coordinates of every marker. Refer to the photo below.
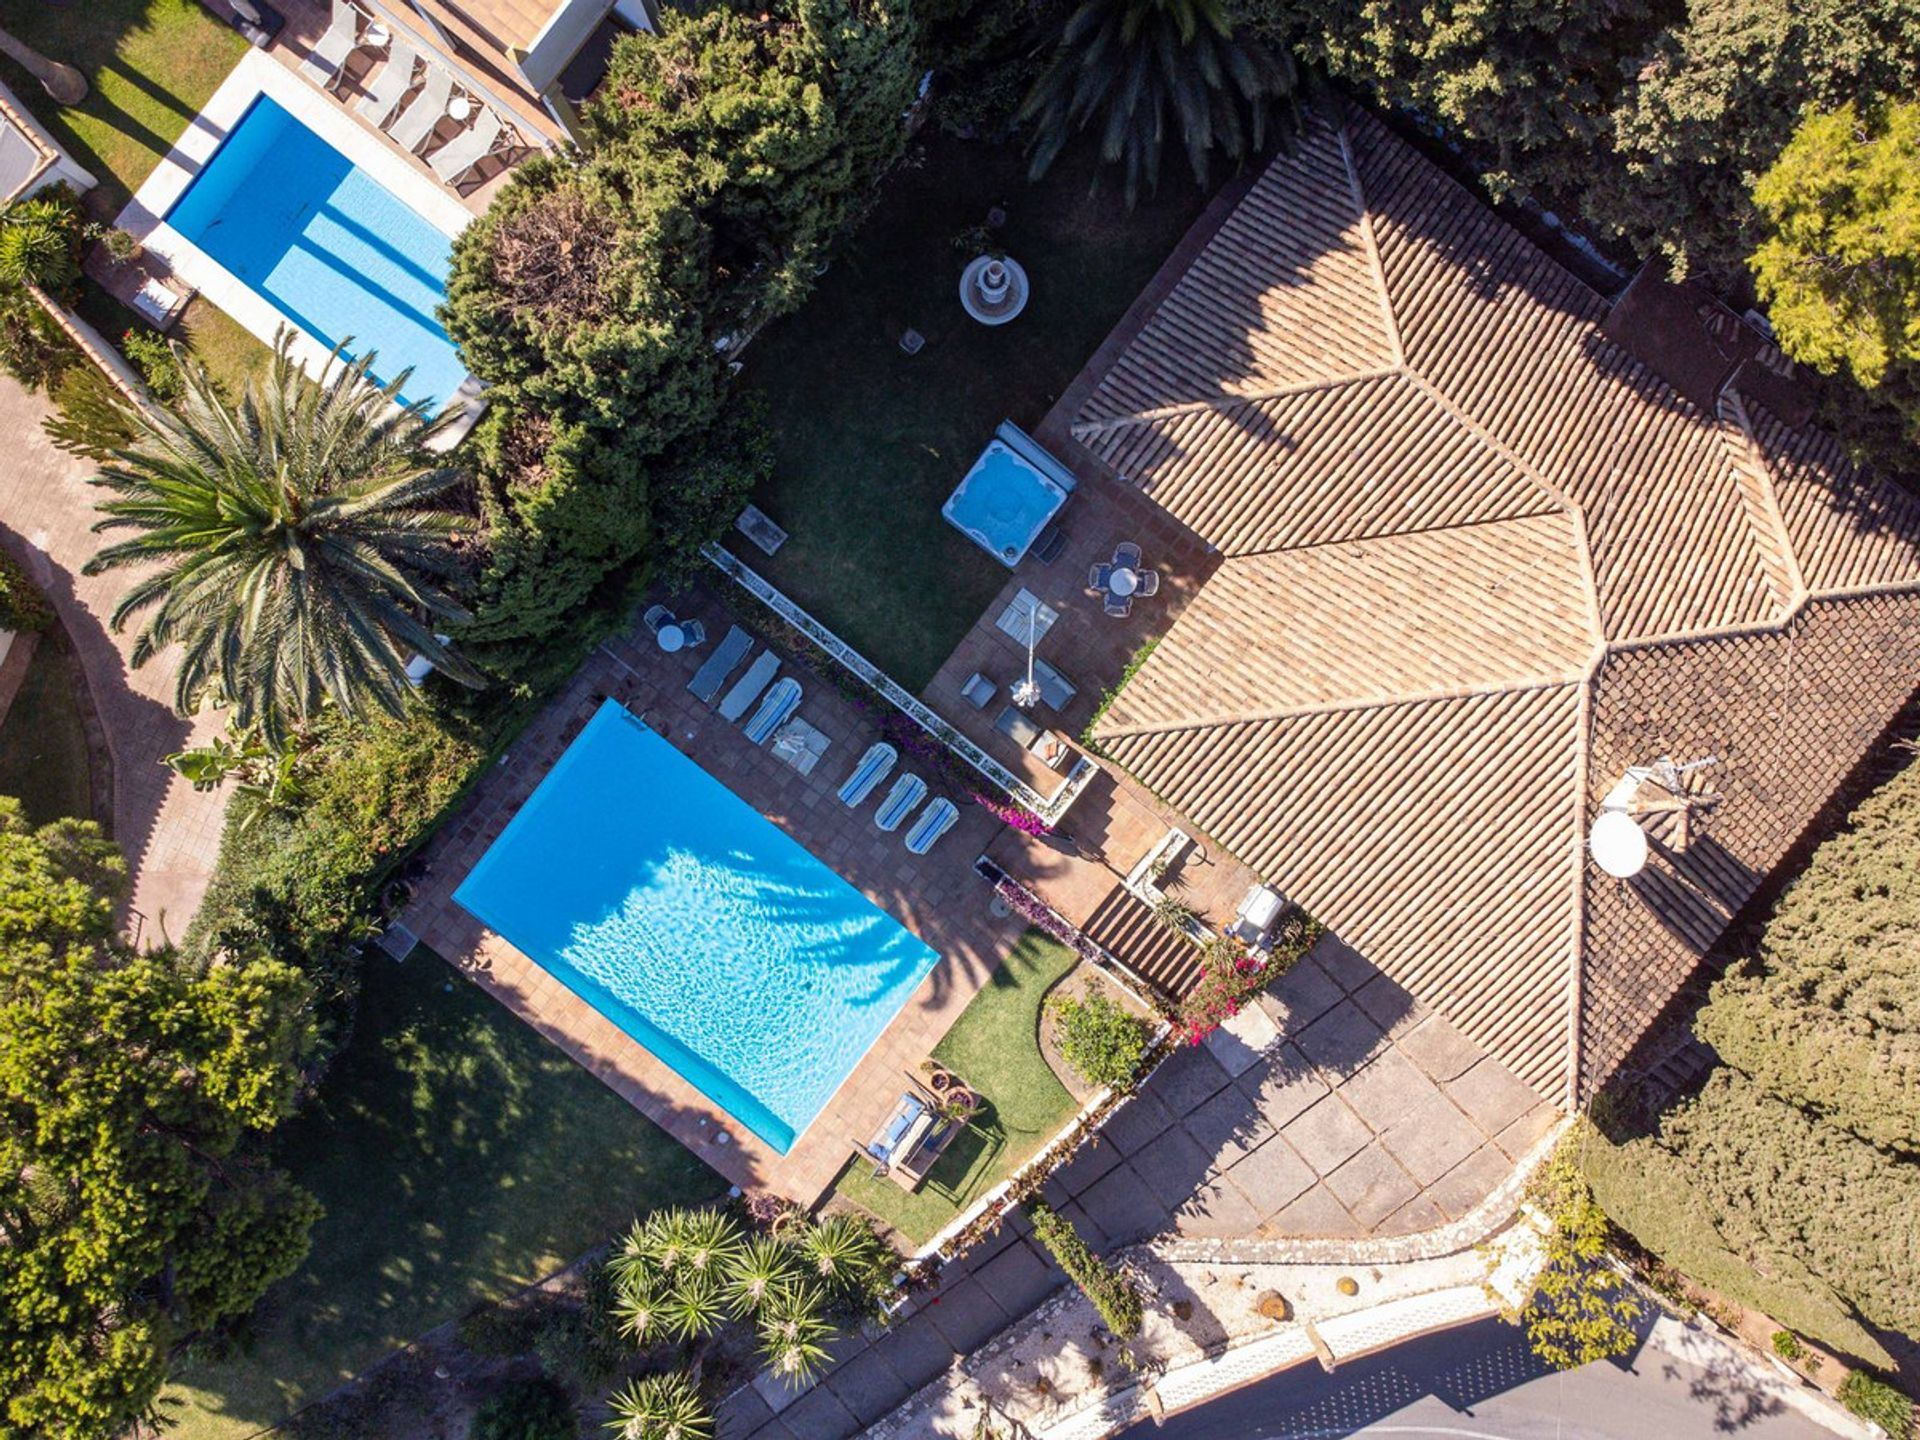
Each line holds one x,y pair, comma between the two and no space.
1477,559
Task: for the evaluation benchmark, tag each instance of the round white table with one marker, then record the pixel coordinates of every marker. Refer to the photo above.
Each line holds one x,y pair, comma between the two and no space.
1123,582
671,638
378,37
459,108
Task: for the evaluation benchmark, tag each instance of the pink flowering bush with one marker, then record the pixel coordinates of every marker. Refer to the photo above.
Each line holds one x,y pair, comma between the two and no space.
1231,976
1017,816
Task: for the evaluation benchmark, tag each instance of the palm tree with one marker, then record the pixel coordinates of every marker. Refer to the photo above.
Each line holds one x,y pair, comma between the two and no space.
1135,69
660,1407
64,83
295,564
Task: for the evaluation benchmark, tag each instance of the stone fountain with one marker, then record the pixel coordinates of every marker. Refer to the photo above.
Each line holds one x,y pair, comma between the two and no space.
993,289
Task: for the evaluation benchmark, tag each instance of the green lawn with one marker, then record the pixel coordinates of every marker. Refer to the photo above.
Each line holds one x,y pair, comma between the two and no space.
151,65
43,744
993,1046
459,1155
870,441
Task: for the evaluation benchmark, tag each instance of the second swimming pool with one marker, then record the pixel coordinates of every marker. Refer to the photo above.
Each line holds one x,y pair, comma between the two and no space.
326,245
696,925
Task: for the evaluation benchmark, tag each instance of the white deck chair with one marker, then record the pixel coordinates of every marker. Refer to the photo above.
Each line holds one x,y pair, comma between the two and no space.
390,85
468,148
410,129
326,61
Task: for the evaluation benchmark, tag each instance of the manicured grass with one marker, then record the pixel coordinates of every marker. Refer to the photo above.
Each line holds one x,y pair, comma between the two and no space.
151,64
994,1047
43,743
870,441
459,1156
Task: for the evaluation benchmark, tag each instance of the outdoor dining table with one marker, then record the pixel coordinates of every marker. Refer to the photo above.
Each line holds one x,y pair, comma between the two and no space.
1123,580
671,637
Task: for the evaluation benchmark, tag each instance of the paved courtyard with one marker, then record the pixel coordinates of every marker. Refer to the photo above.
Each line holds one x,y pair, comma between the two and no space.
1366,1116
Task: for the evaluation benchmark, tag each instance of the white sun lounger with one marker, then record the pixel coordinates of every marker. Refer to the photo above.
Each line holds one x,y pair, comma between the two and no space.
390,86
747,688
326,61
411,127
934,822
775,710
907,792
468,148
874,767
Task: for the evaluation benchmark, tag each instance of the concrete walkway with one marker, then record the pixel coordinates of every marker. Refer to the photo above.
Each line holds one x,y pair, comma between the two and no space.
171,835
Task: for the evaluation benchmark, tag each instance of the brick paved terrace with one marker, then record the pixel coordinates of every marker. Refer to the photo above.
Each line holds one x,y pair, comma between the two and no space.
938,896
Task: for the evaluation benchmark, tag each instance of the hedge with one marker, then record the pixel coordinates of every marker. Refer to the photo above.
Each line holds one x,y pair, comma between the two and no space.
1112,1293
22,605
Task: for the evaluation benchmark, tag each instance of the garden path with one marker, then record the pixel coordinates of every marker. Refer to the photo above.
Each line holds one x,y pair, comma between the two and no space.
170,834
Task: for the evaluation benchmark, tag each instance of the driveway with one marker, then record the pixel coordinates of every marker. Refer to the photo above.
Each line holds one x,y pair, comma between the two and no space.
170,834
1481,1382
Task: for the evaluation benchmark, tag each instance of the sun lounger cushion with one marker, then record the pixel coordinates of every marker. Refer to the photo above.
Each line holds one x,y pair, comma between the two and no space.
747,688
874,767
775,710
906,793
935,822
714,670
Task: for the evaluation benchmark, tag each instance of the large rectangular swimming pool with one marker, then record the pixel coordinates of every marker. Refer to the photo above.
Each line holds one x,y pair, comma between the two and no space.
330,249
696,925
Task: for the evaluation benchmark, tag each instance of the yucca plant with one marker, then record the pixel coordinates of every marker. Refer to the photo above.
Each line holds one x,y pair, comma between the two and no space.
660,1407
846,1254
290,555
1134,71
40,241
764,1266
794,1332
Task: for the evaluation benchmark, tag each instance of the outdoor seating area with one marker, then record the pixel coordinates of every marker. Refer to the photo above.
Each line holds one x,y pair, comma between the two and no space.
923,1125
1122,580
411,96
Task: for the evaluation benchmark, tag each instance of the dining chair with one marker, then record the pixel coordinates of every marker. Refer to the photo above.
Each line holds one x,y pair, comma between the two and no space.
1098,576
1149,583
1126,555
1118,606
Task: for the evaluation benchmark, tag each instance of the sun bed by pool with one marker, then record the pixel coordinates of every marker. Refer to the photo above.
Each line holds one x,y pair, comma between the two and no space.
934,822
775,710
874,767
713,671
907,792
747,688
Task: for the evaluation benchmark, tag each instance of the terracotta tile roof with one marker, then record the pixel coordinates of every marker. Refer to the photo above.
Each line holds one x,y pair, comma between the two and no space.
1477,561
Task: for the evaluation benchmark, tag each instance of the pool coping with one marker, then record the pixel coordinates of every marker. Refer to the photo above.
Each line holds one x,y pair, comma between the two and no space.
257,74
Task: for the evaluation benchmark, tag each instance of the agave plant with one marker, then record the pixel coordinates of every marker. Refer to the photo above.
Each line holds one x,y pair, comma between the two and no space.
763,1267
660,1407
288,552
1134,71
794,1332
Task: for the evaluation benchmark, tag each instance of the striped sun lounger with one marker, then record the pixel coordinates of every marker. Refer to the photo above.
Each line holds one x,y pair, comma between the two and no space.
747,688
713,671
907,792
874,767
778,707
934,822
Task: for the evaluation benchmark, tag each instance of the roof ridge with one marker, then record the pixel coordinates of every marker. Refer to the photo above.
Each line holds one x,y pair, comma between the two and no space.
1386,536
1749,460
1374,263
1084,430
1343,707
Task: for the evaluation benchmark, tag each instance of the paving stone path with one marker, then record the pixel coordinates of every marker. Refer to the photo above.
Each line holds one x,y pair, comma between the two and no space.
171,835
1340,1109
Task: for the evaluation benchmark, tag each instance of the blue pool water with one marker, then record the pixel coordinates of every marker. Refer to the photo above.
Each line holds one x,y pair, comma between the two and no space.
335,253
1003,503
696,925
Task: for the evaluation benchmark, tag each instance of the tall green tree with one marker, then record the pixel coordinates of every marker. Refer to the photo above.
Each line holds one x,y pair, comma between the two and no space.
133,1212
1840,267
1130,72
1710,107
1827,1017
291,558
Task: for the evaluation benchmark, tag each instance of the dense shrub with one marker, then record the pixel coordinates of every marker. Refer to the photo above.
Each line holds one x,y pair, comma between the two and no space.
1230,976
1581,1308
1879,1402
155,360
1103,1041
22,605
601,293
1112,1292
536,1409
303,883
1827,1017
